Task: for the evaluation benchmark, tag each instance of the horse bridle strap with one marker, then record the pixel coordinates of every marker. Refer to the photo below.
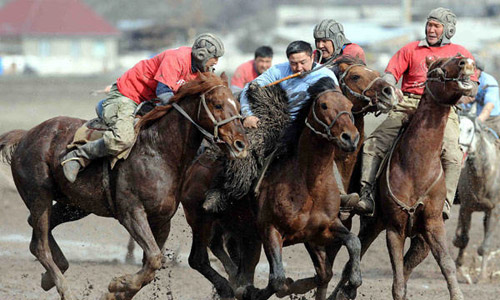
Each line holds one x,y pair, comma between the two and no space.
361,96
327,135
214,138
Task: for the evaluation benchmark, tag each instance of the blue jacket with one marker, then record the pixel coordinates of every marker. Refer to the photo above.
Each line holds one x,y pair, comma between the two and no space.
296,88
488,93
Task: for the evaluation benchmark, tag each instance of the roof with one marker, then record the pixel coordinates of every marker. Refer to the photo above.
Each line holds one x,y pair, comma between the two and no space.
52,17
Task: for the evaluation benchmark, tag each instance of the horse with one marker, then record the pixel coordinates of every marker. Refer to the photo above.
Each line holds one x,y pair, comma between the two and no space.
319,223
478,190
410,189
141,192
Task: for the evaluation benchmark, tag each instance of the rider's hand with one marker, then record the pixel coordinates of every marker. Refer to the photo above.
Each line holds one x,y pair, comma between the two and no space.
251,122
466,99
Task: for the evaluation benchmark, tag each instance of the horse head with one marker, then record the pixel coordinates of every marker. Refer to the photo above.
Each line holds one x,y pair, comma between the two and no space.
364,86
330,115
212,109
449,78
219,113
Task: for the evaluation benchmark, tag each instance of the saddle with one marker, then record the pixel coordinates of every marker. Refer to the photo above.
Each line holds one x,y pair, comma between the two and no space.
94,129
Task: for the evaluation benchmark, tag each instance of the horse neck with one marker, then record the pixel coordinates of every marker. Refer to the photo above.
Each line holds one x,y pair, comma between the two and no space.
347,161
424,134
315,158
174,137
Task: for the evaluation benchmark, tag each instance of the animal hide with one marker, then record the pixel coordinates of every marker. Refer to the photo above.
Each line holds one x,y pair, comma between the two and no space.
270,105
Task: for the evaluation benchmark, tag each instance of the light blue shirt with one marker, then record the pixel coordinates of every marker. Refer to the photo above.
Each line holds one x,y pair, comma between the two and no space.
296,88
487,92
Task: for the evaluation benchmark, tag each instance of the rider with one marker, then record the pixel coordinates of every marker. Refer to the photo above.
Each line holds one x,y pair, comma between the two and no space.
300,59
487,99
331,42
409,63
248,71
157,78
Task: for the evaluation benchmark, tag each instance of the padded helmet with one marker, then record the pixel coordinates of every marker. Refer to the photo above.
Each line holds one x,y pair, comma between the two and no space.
206,46
332,30
449,21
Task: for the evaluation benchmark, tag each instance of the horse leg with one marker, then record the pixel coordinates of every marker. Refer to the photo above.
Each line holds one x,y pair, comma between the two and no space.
417,252
395,245
60,213
435,236
370,228
273,245
198,258
462,238
324,273
217,248
490,221
248,258
125,287
40,246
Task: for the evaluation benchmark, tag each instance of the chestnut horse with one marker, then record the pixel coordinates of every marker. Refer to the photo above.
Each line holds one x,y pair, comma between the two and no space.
142,192
306,209
411,189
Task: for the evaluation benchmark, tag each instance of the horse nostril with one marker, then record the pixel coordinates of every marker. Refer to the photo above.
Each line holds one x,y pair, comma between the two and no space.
346,137
387,91
239,145
461,63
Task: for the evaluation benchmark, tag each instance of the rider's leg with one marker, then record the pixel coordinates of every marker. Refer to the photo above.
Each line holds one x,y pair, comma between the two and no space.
118,114
348,201
451,158
374,150
81,157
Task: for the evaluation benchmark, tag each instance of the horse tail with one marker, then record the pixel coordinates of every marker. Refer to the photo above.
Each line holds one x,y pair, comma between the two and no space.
8,144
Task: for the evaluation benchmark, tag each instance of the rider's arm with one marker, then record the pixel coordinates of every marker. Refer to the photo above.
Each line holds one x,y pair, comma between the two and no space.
491,98
164,93
398,65
269,76
485,113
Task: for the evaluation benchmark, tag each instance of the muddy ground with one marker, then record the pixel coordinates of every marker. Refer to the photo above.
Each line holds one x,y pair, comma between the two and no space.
96,246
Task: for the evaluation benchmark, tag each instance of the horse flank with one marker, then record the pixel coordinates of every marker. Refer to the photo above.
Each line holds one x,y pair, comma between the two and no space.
8,144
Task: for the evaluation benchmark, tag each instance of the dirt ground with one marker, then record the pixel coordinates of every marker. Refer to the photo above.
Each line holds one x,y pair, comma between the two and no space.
96,246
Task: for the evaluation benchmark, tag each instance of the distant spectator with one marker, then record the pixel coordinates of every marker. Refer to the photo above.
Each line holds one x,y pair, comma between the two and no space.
249,70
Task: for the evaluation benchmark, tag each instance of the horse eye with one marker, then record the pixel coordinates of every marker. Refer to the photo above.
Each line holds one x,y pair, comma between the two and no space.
324,106
355,77
218,106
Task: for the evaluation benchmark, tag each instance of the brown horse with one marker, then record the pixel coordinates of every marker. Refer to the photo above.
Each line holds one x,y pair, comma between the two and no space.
141,192
411,189
369,93
301,177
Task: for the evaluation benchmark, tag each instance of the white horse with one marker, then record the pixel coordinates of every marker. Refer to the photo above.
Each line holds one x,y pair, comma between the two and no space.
478,189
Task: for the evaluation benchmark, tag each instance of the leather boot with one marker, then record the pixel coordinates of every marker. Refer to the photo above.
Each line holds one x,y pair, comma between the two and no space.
347,201
366,204
81,157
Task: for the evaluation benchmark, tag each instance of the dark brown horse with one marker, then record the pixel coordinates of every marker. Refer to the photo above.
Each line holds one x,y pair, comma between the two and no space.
142,191
306,210
411,189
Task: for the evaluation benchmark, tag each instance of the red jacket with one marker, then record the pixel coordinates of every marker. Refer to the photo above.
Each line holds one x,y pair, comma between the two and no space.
244,74
354,50
409,62
171,67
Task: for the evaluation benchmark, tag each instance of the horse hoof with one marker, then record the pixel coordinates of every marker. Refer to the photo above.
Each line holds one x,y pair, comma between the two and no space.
341,296
47,282
285,289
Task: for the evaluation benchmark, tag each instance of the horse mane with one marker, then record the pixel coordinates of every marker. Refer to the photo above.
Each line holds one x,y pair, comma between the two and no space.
203,82
348,59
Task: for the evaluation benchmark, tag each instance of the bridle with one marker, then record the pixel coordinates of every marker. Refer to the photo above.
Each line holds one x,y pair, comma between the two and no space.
327,135
213,138
442,78
361,96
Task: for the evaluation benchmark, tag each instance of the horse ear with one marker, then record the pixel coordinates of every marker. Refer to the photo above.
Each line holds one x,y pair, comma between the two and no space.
342,67
225,78
429,60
